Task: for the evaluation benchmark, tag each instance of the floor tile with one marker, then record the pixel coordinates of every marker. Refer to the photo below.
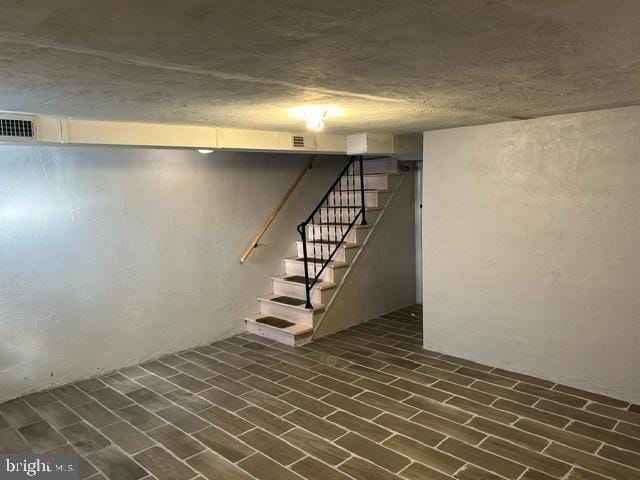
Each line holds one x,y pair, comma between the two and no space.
359,425
120,382
174,440
366,403
450,428
18,413
373,452
41,437
352,406
228,385
268,403
140,418
84,438
70,395
156,384
111,399
12,442
312,469
316,446
486,460
128,438
186,399
263,468
214,467
621,456
363,470
90,385
223,399
265,386
96,414
316,425
57,415
556,434
39,399
418,471
526,457
626,441
421,453
183,419
592,463
271,446
116,466
410,429
387,404
308,404
265,420
224,444
228,421
576,414
149,399
160,369
163,465
304,387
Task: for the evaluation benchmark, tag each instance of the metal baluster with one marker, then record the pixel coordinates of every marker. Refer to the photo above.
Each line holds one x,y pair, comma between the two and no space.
340,212
321,245
364,218
352,198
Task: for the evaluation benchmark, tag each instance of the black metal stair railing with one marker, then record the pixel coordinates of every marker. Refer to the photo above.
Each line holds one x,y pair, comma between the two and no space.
334,216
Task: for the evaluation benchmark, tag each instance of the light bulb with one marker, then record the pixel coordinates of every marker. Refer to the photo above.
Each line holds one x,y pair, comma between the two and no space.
205,151
315,119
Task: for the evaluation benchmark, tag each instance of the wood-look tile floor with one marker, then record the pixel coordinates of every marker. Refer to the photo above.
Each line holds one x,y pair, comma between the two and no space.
366,403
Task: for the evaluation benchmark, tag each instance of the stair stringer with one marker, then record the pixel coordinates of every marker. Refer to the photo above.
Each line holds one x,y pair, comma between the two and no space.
366,291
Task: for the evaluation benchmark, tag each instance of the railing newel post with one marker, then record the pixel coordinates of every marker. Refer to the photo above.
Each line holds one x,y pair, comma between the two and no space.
302,229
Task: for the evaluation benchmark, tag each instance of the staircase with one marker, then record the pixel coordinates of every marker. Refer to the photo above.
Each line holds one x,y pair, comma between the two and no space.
330,240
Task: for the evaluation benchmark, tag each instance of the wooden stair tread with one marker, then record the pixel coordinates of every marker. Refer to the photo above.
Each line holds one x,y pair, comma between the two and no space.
299,280
291,302
295,329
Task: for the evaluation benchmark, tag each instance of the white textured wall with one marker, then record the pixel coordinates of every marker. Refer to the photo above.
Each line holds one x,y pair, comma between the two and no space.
383,278
112,256
531,247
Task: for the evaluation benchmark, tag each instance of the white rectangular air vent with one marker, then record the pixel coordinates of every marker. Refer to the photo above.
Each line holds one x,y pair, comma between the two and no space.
303,142
17,128
298,141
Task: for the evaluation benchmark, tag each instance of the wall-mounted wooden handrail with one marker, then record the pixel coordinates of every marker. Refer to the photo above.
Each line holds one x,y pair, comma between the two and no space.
274,214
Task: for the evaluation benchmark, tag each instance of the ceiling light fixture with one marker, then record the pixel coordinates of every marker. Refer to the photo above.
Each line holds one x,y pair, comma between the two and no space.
205,151
314,116
315,119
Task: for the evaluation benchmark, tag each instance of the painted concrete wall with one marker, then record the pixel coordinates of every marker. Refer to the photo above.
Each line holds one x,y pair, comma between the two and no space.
531,253
383,277
112,256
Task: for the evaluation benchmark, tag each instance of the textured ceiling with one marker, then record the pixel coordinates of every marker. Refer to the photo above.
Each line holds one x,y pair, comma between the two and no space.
395,66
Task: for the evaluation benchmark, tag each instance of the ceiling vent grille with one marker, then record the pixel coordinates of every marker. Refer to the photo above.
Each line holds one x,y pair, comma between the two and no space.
298,141
303,142
20,128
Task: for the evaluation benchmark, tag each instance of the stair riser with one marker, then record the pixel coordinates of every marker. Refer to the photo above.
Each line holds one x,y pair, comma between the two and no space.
298,291
328,232
371,199
280,336
286,312
334,215
342,255
296,268
330,274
